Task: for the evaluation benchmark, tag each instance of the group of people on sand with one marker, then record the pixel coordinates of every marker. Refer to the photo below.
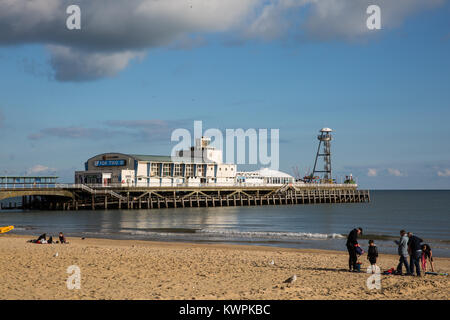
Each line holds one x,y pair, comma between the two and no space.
408,245
419,253
42,239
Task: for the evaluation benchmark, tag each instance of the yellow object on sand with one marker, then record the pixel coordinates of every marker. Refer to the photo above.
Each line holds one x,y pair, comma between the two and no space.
6,229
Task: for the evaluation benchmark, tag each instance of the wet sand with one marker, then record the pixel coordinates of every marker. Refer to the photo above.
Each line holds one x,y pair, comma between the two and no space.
127,269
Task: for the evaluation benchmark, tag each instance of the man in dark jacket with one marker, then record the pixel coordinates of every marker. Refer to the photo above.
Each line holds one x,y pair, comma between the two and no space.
352,243
415,252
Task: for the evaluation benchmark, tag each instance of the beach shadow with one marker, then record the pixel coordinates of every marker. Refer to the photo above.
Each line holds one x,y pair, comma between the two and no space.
326,269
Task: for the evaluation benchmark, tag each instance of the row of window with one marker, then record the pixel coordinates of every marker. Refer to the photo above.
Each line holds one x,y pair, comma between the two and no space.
155,170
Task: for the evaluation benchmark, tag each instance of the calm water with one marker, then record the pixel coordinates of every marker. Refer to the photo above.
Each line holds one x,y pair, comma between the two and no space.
324,226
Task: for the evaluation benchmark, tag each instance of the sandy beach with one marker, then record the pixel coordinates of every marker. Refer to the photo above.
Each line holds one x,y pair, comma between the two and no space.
125,269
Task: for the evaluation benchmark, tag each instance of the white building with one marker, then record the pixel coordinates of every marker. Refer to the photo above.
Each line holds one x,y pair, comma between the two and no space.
265,176
200,165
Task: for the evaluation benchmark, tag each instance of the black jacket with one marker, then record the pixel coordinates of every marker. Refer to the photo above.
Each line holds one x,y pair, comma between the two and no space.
352,238
372,252
414,243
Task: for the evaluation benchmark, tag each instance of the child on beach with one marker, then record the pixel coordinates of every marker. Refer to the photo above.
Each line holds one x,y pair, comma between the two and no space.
427,254
372,255
62,239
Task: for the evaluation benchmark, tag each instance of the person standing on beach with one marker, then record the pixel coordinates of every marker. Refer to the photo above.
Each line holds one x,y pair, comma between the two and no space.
403,253
415,252
372,255
352,243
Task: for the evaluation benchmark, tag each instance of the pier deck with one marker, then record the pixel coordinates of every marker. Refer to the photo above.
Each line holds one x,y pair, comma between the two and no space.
76,197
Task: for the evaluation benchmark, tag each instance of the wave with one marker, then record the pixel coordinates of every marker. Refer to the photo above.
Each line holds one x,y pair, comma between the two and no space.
23,228
272,235
198,234
160,230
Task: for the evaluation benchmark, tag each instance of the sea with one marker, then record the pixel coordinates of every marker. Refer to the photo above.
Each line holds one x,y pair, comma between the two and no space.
426,213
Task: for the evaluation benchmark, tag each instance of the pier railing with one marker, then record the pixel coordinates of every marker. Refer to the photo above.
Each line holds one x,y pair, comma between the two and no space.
93,187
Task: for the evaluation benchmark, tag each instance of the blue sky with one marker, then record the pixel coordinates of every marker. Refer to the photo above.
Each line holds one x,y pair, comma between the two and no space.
386,95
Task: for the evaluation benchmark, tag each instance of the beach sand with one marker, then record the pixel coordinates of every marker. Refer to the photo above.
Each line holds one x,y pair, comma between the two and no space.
125,269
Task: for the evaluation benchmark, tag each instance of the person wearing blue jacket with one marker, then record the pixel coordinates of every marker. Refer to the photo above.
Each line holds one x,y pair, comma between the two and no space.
403,253
415,252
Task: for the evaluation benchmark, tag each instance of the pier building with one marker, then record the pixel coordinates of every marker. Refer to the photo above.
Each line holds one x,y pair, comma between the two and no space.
265,176
201,164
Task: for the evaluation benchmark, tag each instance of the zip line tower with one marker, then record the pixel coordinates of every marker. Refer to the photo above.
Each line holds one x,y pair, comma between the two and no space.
324,138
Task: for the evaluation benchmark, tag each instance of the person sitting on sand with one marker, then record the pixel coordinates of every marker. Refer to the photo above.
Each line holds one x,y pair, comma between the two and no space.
42,237
403,253
372,255
352,243
427,254
50,240
62,239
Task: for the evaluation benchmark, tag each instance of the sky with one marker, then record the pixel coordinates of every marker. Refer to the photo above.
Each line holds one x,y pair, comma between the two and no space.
138,70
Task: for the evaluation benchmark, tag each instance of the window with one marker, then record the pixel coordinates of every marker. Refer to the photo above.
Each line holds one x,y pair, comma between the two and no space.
166,169
177,170
189,170
200,170
154,170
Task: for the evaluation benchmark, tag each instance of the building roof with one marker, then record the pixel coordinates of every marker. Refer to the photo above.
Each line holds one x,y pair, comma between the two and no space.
268,173
143,157
154,158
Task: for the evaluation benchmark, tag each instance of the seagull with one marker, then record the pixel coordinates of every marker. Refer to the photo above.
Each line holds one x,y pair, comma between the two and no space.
272,262
56,254
291,279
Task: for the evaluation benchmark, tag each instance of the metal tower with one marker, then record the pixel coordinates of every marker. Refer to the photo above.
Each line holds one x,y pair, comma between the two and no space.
325,137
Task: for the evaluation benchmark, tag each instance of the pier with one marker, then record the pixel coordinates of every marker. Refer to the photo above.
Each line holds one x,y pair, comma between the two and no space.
97,197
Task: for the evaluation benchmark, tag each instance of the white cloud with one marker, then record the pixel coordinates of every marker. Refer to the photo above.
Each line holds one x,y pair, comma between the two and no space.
331,19
39,169
395,172
372,172
444,173
113,32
